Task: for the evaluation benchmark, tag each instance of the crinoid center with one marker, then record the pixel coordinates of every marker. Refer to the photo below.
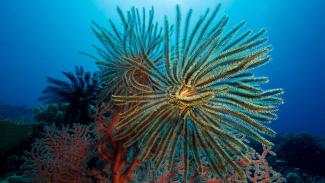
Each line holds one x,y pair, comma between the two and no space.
187,96
140,76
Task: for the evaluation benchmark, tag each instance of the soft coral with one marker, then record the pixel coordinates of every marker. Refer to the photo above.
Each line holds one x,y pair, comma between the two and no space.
61,156
119,162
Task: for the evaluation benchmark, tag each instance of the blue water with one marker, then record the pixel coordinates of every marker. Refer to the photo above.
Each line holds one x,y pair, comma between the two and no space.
42,37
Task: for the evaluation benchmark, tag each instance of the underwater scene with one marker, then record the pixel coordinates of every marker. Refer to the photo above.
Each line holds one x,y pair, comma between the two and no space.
162,91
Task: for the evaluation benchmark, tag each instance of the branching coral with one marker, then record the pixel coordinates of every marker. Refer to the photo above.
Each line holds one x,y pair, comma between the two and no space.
204,95
61,156
256,171
119,162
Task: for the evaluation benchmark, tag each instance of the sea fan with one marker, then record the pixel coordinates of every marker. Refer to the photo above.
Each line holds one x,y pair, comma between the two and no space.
205,96
61,155
126,50
79,94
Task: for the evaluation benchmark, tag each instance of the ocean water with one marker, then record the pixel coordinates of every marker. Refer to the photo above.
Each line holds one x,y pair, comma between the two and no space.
42,38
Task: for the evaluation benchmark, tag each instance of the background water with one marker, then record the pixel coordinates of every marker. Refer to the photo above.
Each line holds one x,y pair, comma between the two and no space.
42,37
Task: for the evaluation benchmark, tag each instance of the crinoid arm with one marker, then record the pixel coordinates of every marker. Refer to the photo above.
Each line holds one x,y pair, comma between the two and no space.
205,95
126,51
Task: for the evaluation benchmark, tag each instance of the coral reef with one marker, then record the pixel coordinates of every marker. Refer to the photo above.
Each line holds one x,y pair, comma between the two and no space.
119,162
60,156
304,152
300,158
14,139
50,114
257,170
177,103
15,112
12,133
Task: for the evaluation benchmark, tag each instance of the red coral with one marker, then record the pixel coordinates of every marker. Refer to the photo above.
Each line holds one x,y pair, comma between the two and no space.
61,156
117,164
259,171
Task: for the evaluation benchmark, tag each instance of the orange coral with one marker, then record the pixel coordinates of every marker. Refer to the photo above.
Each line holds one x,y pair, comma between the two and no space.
113,153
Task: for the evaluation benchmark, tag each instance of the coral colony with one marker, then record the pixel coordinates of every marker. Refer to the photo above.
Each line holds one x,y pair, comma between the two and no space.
178,103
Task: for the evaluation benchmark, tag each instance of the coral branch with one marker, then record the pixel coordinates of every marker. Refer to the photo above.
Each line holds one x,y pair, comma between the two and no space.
61,156
113,153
